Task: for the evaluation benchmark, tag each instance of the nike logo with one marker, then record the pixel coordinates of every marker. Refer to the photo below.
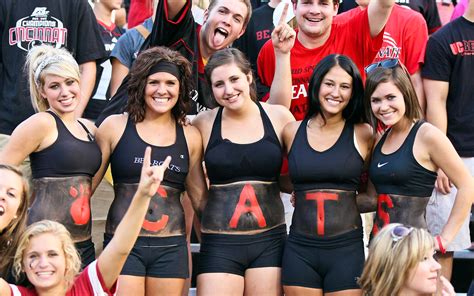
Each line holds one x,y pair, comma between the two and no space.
379,165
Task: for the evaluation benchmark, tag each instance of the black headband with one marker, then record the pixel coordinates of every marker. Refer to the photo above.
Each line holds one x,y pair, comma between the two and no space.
164,66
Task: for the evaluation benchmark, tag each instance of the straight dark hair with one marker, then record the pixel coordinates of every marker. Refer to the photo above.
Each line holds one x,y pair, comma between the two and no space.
354,111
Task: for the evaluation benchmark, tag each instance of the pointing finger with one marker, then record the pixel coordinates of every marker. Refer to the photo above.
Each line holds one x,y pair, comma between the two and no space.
284,13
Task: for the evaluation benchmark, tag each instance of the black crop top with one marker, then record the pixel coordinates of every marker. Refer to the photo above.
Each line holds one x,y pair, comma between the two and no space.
127,158
399,172
67,156
228,162
338,167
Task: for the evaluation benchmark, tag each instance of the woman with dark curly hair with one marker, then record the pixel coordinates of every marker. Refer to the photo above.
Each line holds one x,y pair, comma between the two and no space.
158,93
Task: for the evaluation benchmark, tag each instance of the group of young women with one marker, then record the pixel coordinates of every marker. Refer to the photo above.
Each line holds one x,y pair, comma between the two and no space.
244,247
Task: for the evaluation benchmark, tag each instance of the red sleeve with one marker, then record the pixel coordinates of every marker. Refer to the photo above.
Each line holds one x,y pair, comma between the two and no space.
414,43
363,48
21,291
266,65
90,282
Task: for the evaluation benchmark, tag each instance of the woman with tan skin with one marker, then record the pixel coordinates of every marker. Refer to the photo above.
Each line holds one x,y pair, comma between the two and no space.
243,226
46,253
327,152
406,158
155,115
14,194
64,155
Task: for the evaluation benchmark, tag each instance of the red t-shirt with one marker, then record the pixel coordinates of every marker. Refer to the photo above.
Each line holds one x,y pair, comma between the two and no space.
351,38
405,36
139,11
89,282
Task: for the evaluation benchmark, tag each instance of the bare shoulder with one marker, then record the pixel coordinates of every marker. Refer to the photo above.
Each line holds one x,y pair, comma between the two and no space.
115,120
364,132
291,128
289,133
89,125
192,134
205,119
41,122
430,134
113,126
278,113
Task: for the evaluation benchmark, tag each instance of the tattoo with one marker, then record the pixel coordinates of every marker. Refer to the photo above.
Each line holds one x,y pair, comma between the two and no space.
165,215
65,200
243,207
409,210
325,212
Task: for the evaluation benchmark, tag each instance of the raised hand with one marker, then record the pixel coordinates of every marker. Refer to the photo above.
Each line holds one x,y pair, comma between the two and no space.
283,36
151,176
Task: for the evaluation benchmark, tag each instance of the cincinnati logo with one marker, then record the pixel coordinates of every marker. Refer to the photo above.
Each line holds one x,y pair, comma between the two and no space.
37,29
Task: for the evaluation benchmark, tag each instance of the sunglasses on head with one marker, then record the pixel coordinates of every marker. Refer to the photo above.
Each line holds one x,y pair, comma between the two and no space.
388,64
399,232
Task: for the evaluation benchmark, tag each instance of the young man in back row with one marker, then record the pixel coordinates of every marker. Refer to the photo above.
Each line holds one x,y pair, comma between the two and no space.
319,34
174,27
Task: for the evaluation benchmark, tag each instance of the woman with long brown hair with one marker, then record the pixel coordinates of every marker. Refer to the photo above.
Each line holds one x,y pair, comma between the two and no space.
158,93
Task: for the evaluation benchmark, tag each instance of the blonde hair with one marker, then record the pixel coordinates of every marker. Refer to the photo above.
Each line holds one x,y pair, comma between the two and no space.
10,235
389,263
73,261
46,60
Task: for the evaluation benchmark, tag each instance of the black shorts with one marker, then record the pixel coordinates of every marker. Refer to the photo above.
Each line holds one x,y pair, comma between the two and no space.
86,251
332,264
230,253
161,257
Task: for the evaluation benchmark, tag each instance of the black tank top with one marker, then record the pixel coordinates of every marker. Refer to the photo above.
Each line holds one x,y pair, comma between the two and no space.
399,172
127,158
228,162
67,156
338,167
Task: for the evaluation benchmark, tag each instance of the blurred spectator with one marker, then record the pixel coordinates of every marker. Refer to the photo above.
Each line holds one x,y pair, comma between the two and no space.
459,9
139,11
404,38
449,91
110,33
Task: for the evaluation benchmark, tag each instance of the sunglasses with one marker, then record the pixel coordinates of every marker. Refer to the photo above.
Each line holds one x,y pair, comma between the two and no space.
399,232
388,64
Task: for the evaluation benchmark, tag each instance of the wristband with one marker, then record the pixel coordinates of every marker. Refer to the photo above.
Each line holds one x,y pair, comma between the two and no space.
440,244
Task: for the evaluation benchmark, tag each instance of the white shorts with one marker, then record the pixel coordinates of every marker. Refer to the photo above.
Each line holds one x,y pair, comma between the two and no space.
438,211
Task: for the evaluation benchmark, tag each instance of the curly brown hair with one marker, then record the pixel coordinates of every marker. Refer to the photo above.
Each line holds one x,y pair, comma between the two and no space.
136,106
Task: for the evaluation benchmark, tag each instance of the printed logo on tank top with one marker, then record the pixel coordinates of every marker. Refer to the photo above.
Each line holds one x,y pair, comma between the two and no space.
171,166
37,29
462,48
389,49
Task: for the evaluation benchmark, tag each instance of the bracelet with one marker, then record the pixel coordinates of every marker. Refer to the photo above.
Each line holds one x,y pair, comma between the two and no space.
440,244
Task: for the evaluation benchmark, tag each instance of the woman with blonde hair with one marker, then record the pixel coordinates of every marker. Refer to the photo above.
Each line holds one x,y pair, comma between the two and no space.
401,262
14,194
47,255
64,155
